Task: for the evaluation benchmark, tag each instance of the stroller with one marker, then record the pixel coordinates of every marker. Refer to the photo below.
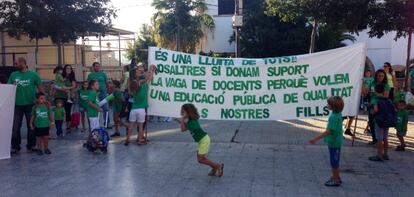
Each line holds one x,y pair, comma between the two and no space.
98,139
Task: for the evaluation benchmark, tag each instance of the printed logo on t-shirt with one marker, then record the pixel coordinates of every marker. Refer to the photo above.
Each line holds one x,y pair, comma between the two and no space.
23,83
41,114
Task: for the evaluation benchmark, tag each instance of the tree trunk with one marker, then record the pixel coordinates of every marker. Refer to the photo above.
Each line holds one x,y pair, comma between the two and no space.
313,36
59,50
178,39
37,51
407,70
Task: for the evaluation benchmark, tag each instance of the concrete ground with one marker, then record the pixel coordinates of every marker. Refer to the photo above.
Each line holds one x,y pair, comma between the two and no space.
261,159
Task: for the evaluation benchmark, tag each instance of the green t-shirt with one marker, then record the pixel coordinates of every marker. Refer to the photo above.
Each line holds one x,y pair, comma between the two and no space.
118,100
63,94
367,81
59,81
141,97
83,98
334,139
372,91
399,96
26,83
41,116
195,129
101,78
402,120
59,113
412,78
92,97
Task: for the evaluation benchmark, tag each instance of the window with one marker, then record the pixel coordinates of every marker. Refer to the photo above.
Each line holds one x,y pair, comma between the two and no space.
226,7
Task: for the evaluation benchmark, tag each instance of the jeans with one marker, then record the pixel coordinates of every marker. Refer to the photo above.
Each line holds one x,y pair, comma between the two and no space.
105,108
19,112
59,125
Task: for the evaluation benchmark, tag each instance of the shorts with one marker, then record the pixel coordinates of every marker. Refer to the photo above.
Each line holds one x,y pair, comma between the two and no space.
137,115
93,123
203,145
381,133
401,133
347,117
41,132
334,157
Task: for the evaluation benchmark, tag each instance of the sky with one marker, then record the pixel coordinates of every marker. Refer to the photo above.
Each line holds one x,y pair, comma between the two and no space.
132,13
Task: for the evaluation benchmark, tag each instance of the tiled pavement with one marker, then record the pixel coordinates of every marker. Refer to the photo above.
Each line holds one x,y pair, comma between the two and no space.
261,159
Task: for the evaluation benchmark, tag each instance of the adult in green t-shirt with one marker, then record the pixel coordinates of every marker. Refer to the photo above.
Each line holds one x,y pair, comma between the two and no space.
102,79
138,89
65,95
26,83
380,78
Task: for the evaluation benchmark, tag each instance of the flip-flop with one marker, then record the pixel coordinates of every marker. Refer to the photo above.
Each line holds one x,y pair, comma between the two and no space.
220,171
212,172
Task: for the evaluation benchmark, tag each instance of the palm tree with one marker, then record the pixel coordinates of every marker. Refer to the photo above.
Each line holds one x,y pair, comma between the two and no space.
181,24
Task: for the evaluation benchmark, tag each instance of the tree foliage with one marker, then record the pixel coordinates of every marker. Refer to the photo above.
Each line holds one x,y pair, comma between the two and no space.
140,47
180,24
62,20
344,15
269,36
392,15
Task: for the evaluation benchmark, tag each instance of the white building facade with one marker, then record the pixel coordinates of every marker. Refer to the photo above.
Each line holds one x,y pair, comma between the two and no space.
379,51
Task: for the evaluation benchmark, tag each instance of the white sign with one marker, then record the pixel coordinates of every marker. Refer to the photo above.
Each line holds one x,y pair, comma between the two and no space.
280,88
7,101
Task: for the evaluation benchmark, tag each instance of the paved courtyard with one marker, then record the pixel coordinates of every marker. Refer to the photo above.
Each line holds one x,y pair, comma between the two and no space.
261,159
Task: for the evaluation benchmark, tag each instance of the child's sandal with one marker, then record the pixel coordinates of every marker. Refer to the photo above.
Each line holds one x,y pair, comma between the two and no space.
143,142
212,172
220,171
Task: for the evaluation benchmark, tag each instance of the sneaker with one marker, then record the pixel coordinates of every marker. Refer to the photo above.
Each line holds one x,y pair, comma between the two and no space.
375,158
332,183
47,152
31,150
39,152
348,132
169,119
372,143
116,134
386,157
126,143
399,148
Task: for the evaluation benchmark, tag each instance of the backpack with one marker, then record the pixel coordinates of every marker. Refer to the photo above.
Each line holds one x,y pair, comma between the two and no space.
97,139
387,115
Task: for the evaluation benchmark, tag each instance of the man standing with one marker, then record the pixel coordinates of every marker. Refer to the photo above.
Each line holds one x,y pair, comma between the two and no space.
102,79
26,82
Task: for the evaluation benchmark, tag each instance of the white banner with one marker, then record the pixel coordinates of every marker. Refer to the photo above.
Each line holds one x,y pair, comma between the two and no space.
7,100
280,88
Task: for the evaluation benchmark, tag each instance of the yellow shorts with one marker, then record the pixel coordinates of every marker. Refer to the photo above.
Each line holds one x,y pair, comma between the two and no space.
203,145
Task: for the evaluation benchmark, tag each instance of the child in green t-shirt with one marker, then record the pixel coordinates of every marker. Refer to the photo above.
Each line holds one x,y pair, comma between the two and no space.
59,115
333,137
400,93
60,82
41,121
83,103
189,121
118,103
402,121
93,107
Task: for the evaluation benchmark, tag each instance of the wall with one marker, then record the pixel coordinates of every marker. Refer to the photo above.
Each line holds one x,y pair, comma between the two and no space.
385,49
218,41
